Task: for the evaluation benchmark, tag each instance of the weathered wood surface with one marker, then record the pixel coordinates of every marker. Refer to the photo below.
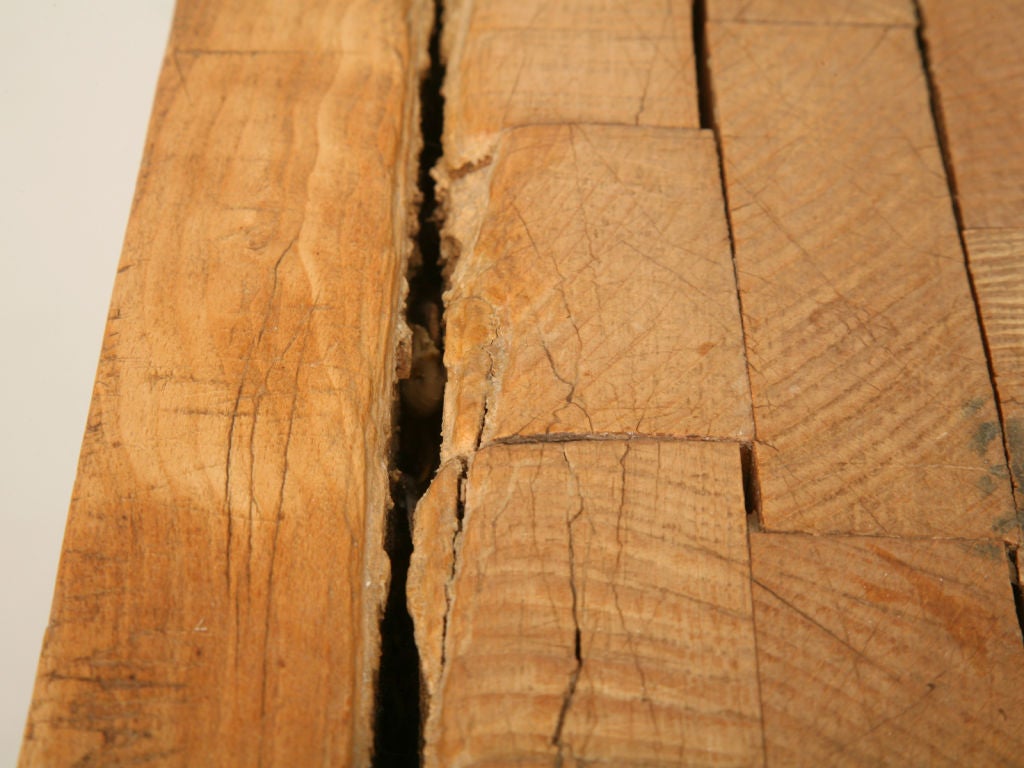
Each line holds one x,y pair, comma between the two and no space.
584,585
873,408
976,53
814,12
600,610
222,574
595,292
997,265
885,652
528,62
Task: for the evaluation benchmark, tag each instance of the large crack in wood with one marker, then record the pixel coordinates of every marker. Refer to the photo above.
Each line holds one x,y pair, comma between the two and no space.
417,441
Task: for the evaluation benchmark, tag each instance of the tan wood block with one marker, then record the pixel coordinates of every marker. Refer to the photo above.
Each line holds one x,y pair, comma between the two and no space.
880,652
872,401
997,266
524,62
884,12
223,569
976,53
593,291
600,610
303,26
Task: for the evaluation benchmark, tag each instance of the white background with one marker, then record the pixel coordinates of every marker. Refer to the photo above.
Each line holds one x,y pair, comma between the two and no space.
77,79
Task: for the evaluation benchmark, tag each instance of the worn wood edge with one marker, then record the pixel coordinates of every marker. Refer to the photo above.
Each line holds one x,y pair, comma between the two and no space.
405,204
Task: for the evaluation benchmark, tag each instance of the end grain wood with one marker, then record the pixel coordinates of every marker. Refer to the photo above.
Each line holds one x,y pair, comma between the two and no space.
600,611
976,52
882,652
530,62
222,572
997,265
594,291
871,394
814,12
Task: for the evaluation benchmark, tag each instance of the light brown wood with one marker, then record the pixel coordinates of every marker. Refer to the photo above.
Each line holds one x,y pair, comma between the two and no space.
528,62
431,568
636,551
976,53
223,571
997,265
594,292
817,12
872,403
885,652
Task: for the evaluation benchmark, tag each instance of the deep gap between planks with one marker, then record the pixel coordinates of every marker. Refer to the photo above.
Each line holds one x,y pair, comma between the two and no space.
416,445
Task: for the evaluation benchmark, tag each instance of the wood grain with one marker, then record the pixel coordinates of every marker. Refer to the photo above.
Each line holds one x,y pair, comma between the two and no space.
976,53
594,291
600,610
528,62
885,652
872,403
882,12
222,573
997,265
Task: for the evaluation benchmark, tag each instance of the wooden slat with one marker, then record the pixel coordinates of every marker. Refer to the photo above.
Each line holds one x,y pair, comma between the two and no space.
600,611
526,62
976,52
222,574
885,652
872,402
997,265
595,291
884,12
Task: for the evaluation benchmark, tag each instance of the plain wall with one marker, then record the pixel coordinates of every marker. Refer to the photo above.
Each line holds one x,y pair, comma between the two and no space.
77,79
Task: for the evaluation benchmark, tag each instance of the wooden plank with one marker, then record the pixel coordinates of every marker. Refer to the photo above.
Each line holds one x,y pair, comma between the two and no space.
976,53
528,62
223,572
871,395
884,12
593,291
997,265
885,652
600,610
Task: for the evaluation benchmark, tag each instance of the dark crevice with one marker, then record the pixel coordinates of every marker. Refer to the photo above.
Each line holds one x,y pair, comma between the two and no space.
705,104
417,446
751,486
935,104
1017,586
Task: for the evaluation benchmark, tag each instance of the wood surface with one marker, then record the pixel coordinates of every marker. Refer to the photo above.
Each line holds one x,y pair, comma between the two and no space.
528,62
814,12
976,54
600,610
857,304
886,652
595,293
223,571
723,479
997,265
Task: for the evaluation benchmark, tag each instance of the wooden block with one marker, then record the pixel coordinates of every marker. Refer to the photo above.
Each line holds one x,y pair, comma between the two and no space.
872,401
885,12
308,26
884,652
525,62
977,59
593,291
600,611
223,569
997,265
